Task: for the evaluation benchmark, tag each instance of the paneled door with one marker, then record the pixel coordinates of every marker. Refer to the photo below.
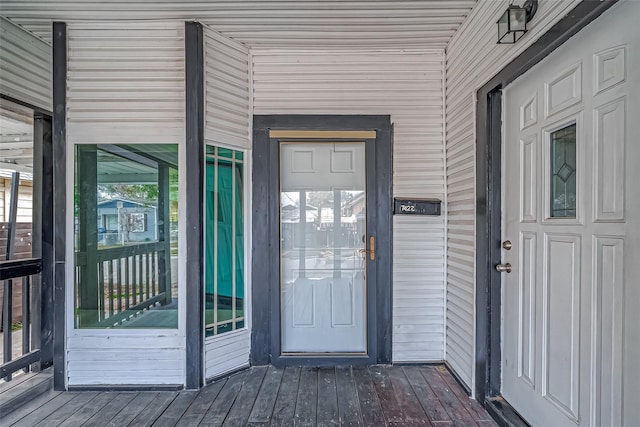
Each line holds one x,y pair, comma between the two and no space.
571,227
323,217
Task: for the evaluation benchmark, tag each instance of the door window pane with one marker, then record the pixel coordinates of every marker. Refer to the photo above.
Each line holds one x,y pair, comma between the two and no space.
126,236
224,241
563,172
323,226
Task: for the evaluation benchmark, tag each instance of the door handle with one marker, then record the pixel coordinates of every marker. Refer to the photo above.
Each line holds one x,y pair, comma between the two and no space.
372,249
504,268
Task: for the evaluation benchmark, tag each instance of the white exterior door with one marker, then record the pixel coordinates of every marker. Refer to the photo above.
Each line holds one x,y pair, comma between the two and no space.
571,208
322,229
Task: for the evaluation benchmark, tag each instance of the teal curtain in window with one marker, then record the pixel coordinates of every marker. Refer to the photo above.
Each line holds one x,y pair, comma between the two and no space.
224,245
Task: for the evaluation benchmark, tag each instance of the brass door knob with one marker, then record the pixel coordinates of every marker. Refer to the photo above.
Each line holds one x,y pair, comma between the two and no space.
504,268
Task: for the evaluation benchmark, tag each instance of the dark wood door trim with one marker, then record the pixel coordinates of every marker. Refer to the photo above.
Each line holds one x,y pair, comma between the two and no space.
265,334
488,192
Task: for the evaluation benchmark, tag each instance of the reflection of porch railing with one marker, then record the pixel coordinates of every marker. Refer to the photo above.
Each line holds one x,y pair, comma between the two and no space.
25,355
130,280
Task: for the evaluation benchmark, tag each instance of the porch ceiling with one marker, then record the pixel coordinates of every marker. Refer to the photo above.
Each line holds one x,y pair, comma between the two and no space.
271,23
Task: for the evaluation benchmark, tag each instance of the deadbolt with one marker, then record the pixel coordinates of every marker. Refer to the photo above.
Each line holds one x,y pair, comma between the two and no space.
504,268
506,245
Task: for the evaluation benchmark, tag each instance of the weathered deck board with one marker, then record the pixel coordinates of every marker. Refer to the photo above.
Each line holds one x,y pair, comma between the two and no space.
176,409
370,408
45,410
153,410
478,412
108,411
456,410
24,411
388,400
285,402
88,410
348,405
307,402
201,404
218,411
241,409
327,411
428,399
270,396
409,403
266,399
132,409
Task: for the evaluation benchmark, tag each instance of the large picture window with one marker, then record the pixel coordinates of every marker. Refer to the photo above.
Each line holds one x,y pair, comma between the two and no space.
126,236
224,241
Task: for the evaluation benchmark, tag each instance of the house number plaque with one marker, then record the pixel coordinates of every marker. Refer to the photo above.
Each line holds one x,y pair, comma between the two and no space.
416,206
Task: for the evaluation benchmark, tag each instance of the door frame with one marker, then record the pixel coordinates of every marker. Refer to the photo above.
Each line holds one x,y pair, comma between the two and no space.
266,308
488,358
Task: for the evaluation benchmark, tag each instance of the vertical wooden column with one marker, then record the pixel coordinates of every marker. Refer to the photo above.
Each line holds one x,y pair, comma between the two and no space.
194,73
90,291
42,300
59,199
164,232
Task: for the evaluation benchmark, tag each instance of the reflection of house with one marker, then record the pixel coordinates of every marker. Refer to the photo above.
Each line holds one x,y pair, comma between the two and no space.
122,221
291,214
318,228
25,195
355,206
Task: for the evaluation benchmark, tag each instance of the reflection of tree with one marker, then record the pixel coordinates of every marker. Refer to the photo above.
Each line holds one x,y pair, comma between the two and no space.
132,221
127,225
145,193
321,199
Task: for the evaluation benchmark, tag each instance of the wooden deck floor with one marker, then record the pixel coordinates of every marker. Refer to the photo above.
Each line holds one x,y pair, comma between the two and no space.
269,396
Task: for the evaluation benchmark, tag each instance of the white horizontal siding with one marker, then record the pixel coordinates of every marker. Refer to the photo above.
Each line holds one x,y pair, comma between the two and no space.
126,83
227,122
272,23
473,57
130,360
227,353
25,200
25,66
408,86
227,90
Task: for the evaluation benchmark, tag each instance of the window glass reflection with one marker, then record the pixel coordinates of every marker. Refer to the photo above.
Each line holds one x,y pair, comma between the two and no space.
224,241
126,236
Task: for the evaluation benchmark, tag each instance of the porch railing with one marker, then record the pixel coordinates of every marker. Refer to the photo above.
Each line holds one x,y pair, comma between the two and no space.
23,269
128,281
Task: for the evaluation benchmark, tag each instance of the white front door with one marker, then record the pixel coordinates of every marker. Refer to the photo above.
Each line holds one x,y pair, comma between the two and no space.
322,229
571,209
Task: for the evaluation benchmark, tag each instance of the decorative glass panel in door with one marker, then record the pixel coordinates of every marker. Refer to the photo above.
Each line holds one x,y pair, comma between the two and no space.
563,172
322,225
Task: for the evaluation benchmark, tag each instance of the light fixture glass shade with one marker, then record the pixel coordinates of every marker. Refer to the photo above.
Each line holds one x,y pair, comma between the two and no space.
512,25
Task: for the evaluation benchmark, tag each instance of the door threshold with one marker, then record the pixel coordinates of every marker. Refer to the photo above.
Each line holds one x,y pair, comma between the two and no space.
503,413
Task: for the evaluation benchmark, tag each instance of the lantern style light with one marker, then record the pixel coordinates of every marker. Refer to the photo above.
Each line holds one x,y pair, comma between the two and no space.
512,25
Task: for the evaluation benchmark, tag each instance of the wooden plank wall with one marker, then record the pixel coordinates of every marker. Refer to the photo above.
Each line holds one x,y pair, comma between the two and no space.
22,250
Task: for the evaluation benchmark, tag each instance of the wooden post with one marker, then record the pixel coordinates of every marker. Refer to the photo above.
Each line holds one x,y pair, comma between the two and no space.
164,232
7,309
87,194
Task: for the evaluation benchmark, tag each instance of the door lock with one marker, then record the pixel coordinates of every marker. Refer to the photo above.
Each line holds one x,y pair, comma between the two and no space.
506,245
504,268
372,249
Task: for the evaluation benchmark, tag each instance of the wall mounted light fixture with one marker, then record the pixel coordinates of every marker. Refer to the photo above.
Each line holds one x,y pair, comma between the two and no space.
512,25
